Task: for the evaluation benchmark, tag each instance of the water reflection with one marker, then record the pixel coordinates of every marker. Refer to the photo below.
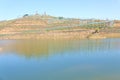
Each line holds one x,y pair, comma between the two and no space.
46,48
66,60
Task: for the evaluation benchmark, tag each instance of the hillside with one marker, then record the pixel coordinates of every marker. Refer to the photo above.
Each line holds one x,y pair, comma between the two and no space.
39,26
32,23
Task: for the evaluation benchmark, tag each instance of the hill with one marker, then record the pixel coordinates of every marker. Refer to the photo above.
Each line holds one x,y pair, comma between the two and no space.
46,26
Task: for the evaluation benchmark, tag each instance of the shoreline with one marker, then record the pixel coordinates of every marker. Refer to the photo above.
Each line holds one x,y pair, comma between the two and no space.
61,35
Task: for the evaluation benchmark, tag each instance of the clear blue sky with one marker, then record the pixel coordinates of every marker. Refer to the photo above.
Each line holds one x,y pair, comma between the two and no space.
102,9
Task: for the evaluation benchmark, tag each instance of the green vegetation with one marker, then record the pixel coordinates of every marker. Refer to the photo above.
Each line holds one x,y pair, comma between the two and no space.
26,15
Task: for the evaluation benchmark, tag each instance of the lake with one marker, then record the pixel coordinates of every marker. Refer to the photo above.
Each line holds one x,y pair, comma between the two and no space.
60,59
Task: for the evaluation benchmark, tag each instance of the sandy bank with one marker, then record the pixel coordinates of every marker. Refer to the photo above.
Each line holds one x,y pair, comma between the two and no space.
97,36
50,35
111,35
62,35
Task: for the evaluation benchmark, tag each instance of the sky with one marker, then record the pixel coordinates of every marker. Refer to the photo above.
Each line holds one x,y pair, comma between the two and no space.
84,9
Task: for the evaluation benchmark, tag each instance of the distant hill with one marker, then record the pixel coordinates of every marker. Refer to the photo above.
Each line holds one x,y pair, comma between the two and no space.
34,24
43,24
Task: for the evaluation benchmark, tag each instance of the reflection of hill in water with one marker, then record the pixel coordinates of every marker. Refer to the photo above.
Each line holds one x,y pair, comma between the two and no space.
45,48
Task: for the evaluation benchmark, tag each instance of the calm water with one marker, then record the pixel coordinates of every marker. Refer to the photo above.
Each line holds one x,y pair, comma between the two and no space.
60,59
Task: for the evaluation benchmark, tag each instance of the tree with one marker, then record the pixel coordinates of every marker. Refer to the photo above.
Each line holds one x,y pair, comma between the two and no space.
61,17
25,15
